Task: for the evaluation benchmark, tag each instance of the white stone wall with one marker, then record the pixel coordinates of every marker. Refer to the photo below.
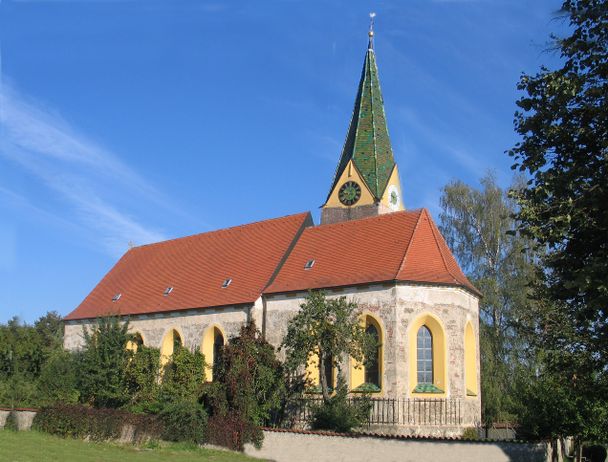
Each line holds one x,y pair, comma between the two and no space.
296,447
189,324
396,306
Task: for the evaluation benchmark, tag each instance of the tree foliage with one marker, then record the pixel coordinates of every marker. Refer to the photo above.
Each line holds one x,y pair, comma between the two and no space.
563,124
476,224
329,328
102,362
248,387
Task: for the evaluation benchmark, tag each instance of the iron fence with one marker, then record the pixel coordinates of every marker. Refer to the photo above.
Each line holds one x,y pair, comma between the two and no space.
383,411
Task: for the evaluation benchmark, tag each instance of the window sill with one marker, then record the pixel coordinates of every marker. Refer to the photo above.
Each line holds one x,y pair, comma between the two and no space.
367,388
427,388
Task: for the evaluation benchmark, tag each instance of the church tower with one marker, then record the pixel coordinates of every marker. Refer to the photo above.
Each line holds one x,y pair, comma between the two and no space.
366,182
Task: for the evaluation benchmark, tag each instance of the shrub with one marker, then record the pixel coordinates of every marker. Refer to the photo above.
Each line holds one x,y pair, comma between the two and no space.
142,380
470,433
19,391
58,379
248,388
184,421
97,424
339,413
232,431
183,376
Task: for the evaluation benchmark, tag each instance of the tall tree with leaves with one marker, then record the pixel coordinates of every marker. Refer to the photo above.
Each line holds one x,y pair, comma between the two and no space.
563,124
329,328
102,362
476,225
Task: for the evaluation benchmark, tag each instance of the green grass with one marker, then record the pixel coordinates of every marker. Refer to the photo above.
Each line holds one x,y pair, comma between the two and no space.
34,446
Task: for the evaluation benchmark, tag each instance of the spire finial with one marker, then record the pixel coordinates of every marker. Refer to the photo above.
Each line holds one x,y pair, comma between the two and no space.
372,15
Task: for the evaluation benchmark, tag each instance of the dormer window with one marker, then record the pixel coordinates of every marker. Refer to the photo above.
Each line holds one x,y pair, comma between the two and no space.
116,297
226,283
309,264
167,291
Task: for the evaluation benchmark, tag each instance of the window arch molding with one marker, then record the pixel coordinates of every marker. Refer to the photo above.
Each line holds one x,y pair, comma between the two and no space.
470,361
208,347
439,347
357,371
167,343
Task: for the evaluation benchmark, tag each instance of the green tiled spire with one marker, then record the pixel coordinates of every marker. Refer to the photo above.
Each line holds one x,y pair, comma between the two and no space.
367,141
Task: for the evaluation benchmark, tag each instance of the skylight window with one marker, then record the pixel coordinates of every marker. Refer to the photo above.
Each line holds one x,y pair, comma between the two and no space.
226,283
116,297
309,264
167,291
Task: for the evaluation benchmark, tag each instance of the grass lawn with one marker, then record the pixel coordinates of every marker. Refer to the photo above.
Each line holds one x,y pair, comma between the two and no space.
35,447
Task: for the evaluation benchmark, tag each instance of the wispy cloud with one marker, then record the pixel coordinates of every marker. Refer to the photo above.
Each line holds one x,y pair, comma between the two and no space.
90,179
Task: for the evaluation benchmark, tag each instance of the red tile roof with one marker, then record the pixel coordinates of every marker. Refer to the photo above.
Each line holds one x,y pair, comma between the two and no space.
195,266
401,246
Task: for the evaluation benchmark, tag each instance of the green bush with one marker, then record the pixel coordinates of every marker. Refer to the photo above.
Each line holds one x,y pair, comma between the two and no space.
470,433
184,421
97,424
58,379
341,414
19,391
142,380
183,376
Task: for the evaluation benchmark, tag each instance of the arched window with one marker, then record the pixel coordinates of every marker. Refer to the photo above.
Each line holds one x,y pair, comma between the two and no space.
372,369
470,361
135,343
212,347
367,376
171,343
424,356
427,356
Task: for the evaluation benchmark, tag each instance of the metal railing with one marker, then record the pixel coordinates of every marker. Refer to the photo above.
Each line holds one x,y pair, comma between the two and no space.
385,411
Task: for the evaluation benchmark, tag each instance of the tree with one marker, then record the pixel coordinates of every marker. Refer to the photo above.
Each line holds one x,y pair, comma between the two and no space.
248,387
563,124
329,328
102,363
476,225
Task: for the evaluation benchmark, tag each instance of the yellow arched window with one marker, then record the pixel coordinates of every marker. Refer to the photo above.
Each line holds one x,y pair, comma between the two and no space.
470,361
135,343
368,376
211,347
171,342
427,356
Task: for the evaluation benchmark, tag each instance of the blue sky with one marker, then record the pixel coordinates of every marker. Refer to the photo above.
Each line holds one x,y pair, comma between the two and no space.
136,121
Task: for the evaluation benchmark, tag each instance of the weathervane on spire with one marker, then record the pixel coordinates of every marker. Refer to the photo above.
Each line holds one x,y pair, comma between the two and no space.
372,15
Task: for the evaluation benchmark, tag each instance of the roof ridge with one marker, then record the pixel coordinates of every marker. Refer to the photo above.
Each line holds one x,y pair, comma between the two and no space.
371,98
213,231
439,247
409,244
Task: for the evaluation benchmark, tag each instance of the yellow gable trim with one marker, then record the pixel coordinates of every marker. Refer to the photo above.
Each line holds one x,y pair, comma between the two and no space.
350,173
393,181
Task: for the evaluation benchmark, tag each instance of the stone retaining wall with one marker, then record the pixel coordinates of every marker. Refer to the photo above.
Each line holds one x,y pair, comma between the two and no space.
23,418
287,446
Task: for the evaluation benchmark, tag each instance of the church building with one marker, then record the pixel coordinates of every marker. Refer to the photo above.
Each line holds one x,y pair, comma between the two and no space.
198,291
